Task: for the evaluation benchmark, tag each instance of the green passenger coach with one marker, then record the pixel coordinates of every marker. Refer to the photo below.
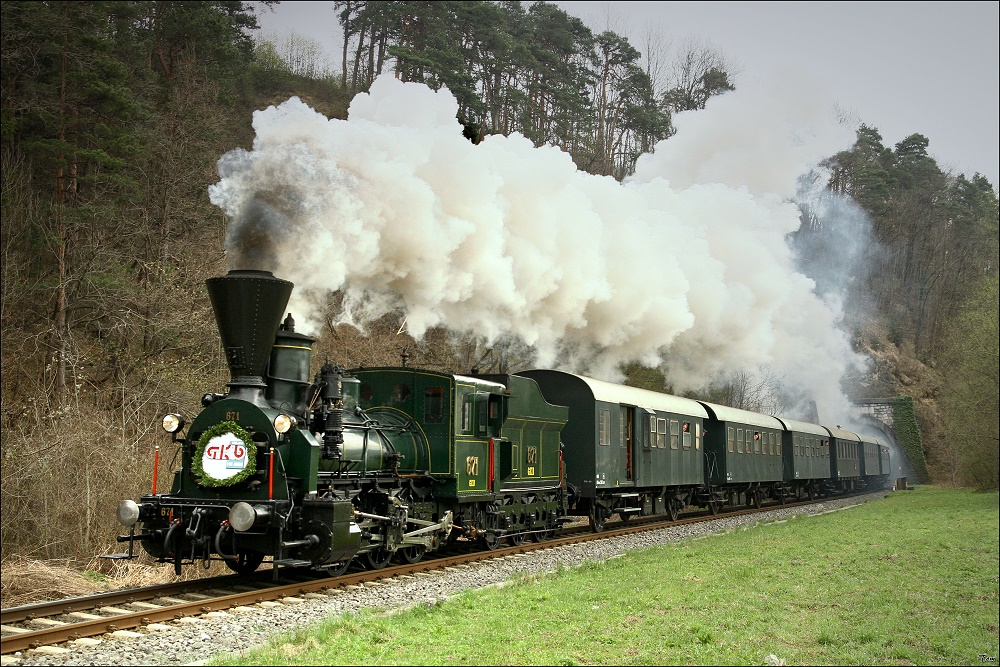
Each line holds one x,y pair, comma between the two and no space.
744,451
805,457
845,459
628,450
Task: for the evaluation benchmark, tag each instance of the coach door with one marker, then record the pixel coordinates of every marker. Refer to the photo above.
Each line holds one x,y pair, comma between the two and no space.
627,438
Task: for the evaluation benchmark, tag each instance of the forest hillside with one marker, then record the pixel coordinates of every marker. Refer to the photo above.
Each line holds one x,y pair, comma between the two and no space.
115,115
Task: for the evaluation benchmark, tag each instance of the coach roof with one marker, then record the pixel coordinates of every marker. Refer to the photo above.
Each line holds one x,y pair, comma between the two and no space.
608,392
727,414
804,427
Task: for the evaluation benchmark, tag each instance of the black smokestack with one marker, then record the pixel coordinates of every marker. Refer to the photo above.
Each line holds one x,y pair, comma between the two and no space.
248,308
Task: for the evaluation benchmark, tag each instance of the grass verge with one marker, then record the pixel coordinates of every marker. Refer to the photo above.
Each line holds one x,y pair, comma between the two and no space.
912,579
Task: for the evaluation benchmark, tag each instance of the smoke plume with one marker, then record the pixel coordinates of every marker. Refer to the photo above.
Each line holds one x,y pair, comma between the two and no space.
684,266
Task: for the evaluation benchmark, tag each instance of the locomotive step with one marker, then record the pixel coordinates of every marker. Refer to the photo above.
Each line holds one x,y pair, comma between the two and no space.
292,562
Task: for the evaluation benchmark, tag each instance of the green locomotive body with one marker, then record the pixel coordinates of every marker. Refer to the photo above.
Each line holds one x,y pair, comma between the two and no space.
486,448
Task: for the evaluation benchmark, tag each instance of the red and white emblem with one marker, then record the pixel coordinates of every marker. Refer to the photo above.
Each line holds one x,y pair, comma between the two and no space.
225,456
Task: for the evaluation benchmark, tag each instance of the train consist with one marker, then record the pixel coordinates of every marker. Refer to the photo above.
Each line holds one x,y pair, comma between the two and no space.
381,463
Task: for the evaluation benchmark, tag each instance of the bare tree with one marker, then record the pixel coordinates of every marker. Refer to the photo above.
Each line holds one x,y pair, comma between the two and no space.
698,72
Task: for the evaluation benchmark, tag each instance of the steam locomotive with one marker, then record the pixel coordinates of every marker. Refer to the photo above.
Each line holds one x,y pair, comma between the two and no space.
381,463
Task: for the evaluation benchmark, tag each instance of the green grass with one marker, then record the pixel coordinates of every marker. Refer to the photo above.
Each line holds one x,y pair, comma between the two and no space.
912,579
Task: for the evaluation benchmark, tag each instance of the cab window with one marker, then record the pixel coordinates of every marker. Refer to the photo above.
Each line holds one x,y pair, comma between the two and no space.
467,413
434,405
481,413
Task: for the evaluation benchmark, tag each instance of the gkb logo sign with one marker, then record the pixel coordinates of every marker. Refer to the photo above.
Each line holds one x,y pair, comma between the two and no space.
225,456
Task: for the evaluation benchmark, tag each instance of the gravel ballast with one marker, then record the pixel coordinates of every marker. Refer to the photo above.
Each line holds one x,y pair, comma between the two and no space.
197,640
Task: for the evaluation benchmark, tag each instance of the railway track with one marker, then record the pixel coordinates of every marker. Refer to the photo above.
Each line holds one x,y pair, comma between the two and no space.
43,626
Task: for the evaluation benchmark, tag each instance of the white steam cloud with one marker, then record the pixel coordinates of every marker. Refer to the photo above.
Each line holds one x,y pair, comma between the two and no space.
685,266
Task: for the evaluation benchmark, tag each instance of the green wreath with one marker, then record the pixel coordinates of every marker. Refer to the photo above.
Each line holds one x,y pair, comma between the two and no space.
199,453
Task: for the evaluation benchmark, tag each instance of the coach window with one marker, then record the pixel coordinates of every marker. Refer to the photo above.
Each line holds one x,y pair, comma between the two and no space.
739,441
651,440
605,427
434,405
661,433
675,428
777,443
731,437
697,435
686,435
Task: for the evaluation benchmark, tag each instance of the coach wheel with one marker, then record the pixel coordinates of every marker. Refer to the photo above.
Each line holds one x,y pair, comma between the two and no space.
812,493
410,555
713,507
378,559
672,508
486,520
781,497
754,498
596,519
491,539
541,535
624,516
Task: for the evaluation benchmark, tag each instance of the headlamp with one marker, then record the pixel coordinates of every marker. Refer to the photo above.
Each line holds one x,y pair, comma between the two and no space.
173,423
128,513
283,423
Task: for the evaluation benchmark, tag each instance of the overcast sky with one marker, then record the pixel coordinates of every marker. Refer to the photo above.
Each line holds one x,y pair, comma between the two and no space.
903,67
